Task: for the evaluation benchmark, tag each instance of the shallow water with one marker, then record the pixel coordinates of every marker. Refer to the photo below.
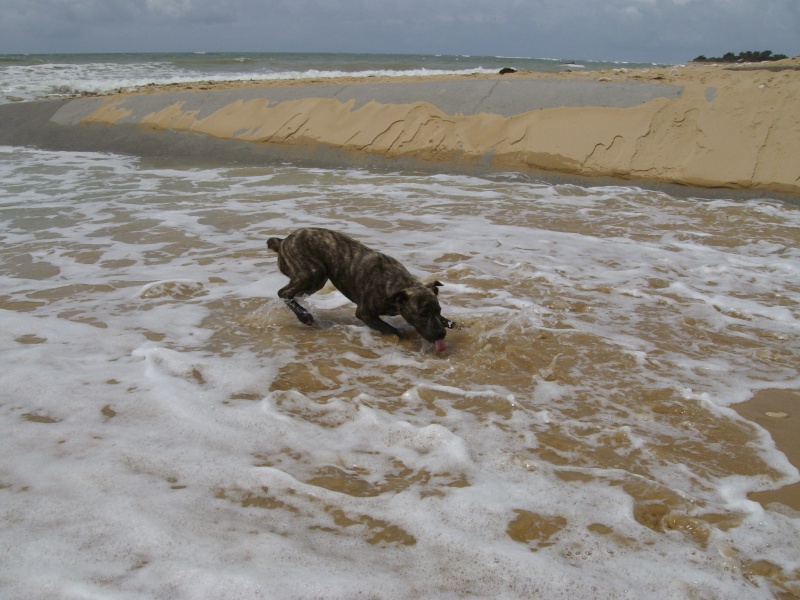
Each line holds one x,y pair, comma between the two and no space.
169,430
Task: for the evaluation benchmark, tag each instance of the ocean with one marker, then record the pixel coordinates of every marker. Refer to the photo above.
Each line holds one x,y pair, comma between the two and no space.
168,429
32,76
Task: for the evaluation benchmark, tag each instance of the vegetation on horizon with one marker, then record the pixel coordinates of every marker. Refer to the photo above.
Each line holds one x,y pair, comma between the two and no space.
749,56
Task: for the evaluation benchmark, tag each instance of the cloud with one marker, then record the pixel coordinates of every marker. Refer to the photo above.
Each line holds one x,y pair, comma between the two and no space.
636,30
170,8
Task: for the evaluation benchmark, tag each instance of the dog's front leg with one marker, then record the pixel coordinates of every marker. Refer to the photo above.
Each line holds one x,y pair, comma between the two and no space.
377,323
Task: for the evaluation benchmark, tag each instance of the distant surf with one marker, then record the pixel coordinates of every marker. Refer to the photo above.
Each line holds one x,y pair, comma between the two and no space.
33,76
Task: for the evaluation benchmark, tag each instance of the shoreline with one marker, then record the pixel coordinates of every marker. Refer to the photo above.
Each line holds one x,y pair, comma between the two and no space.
697,125
775,410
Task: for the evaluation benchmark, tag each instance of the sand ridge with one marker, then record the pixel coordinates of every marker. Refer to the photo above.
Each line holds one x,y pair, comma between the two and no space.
736,127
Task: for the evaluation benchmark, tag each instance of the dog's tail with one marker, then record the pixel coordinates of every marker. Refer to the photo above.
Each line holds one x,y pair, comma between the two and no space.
274,244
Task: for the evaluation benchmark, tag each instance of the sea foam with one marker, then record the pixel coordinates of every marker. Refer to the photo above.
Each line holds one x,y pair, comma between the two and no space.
168,428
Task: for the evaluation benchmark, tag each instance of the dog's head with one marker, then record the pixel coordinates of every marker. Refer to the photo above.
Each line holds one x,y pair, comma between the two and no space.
419,306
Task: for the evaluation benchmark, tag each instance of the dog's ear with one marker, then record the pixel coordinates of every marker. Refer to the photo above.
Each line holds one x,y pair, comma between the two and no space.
434,286
398,298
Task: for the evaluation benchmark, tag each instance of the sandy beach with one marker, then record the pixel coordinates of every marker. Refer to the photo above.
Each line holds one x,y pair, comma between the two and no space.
703,125
614,416
708,126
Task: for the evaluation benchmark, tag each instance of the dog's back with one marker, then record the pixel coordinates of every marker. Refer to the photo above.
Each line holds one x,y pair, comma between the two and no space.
355,269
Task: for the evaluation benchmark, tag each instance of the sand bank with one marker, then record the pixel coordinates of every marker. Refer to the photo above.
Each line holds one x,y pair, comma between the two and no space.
698,125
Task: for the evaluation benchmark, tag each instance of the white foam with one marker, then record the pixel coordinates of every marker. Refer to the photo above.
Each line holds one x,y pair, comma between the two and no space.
30,82
157,440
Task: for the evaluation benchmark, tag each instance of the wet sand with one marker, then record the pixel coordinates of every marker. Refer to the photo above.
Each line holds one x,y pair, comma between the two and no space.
777,411
581,414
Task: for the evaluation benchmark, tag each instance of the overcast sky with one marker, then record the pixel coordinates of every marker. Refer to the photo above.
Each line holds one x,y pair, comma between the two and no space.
631,30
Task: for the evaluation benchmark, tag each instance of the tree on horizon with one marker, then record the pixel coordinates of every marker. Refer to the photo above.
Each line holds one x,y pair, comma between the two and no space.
748,56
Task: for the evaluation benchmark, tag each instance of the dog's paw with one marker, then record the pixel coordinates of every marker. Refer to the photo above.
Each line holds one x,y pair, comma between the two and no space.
305,317
301,313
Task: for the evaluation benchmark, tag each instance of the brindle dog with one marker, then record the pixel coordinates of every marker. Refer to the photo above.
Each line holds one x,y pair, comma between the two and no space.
378,284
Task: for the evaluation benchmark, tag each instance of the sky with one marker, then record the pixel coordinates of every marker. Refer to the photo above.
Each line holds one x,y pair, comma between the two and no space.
667,31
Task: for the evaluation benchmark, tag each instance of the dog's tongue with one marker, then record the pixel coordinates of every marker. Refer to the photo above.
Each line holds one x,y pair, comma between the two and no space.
441,346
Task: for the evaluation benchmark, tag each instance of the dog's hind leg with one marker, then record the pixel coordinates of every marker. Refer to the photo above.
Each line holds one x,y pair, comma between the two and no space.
307,285
302,314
